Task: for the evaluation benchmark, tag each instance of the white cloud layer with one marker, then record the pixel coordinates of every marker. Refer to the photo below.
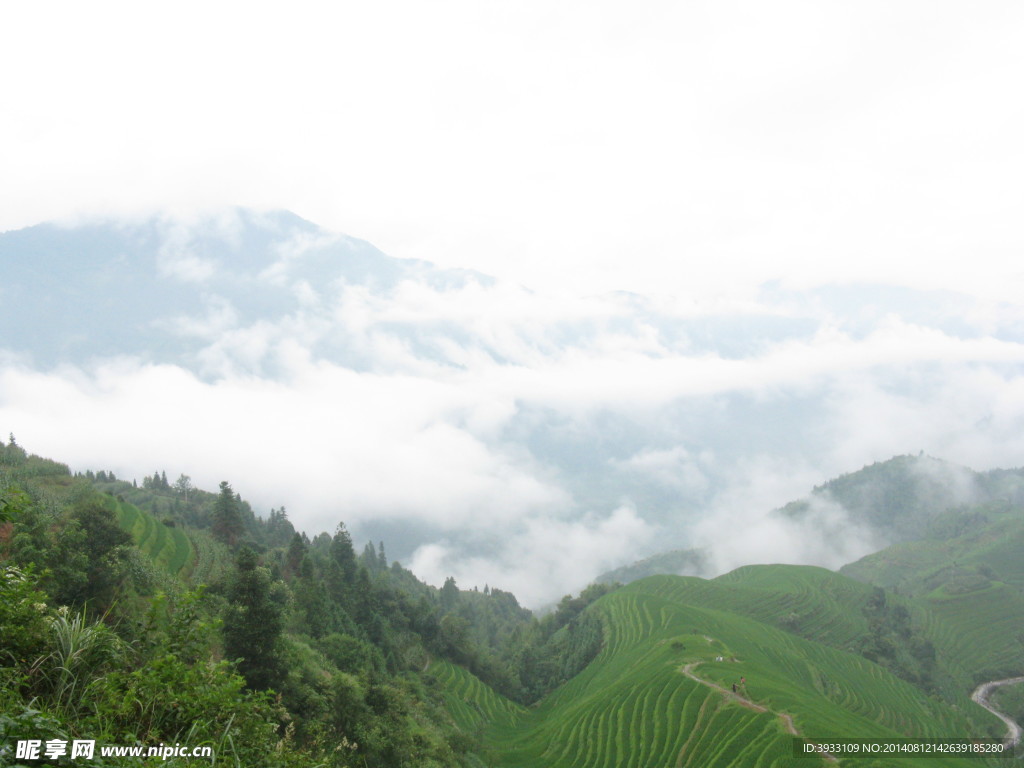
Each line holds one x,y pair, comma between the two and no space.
498,438
659,147
719,159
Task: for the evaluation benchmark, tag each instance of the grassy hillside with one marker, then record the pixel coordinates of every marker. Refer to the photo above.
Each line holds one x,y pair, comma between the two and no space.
968,589
970,547
814,603
658,694
976,635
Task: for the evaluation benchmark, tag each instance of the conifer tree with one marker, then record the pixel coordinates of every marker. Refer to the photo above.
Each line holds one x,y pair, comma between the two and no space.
227,520
369,557
449,593
293,558
343,553
253,623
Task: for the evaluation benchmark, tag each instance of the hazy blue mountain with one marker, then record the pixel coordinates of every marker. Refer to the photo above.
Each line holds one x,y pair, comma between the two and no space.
678,562
903,499
912,497
161,290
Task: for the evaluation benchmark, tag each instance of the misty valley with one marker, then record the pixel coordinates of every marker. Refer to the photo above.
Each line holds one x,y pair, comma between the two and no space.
270,497
156,612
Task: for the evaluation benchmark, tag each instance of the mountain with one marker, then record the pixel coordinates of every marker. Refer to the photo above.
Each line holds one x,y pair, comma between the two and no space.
910,497
681,562
165,290
903,499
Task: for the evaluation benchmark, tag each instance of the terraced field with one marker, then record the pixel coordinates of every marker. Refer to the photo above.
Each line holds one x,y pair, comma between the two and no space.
913,565
980,633
968,595
472,703
169,548
815,603
635,705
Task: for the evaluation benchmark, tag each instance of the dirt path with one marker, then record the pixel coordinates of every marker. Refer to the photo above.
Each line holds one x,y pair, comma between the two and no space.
787,720
981,694
688,671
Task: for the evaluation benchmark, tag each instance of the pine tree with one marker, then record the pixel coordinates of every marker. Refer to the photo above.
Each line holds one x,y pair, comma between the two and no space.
253,623
293,559
343,553
449,593
369,558
227,520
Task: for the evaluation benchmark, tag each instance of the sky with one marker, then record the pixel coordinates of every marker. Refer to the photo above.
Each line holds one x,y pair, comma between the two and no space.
719,159
651,146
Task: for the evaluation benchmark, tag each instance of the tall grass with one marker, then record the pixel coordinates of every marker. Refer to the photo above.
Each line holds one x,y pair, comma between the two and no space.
81,653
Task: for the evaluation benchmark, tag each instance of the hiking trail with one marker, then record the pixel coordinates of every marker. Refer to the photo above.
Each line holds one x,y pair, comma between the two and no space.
787,719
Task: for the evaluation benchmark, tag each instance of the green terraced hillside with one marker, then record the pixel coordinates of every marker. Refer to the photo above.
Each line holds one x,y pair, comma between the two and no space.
968,590
978,633
985,544
168,547
660,691
812,602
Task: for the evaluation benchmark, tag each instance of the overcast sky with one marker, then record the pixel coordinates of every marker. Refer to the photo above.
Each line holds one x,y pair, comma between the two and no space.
649,145
694,152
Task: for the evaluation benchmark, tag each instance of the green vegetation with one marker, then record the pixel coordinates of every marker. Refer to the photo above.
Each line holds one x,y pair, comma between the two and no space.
965,580
660,691
164,613
168,547
811,644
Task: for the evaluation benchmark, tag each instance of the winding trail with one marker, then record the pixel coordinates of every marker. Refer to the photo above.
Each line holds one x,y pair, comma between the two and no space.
981,694
688,671
1014,732
787,720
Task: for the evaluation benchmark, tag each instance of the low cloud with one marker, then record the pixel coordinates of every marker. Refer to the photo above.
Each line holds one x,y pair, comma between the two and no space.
545,557
673,467
741,527
526,441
